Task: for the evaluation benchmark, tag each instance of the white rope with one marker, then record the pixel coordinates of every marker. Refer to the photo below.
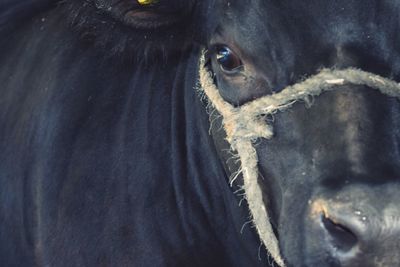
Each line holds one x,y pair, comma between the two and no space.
244,124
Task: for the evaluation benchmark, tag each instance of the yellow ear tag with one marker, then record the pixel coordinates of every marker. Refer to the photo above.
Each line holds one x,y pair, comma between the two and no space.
147,2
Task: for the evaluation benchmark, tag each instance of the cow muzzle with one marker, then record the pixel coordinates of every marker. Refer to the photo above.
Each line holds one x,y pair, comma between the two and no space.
355,227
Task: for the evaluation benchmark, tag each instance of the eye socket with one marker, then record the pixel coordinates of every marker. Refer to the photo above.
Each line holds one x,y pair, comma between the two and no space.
227,59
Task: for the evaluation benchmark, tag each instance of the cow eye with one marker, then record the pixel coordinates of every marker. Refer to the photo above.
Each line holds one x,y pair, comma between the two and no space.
227,60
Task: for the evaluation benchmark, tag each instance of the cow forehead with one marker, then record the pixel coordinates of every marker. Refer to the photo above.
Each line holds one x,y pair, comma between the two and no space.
336,20
284,39
324,8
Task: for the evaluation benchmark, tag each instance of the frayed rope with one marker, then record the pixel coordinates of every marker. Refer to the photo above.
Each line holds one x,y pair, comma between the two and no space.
244,124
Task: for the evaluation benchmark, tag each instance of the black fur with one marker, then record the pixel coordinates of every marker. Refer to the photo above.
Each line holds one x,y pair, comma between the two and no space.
120,41
344,148
105,157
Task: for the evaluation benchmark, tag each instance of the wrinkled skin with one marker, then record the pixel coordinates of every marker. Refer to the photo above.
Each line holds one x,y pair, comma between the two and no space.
331,173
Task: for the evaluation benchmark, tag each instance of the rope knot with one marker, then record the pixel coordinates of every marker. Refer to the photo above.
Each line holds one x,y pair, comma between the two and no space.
245,124
238,126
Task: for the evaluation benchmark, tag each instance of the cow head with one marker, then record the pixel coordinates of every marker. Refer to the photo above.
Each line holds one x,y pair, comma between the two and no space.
331,172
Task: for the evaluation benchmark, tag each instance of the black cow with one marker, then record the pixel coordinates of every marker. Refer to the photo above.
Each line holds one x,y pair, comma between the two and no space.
105,156
331,172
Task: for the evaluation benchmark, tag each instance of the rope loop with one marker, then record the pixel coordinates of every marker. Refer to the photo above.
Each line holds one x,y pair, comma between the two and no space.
246,123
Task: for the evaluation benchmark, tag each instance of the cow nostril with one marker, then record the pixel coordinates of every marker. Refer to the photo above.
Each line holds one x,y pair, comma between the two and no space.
342,238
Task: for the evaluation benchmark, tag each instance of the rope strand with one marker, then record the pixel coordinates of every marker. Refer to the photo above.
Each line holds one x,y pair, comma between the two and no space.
244,124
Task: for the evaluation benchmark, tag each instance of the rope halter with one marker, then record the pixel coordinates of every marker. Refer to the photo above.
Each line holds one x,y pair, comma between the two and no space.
245,124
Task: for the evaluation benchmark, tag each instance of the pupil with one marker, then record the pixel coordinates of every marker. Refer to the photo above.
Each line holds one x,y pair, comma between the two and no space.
227,59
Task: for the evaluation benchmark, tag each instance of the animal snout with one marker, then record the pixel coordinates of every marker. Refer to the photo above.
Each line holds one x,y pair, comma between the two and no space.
342,234
356,234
